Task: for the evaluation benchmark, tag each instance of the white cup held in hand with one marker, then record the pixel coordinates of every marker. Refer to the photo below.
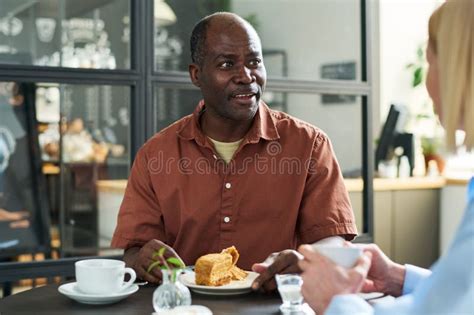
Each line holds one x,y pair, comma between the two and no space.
102,276
343,256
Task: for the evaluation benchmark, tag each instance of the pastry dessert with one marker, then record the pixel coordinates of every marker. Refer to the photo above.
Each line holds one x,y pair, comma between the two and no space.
218,269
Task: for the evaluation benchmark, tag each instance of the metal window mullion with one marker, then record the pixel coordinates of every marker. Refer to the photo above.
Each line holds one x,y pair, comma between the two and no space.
367,119
138,64
149,51
62,75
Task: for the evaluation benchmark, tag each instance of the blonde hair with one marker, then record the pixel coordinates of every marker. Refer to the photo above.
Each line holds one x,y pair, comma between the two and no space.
451,36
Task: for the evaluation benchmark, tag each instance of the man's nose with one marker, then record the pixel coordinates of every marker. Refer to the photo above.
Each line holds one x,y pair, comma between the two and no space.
244,75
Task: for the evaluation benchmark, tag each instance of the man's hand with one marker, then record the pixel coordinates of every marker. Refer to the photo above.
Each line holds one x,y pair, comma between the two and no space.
277,263
141,258
384,275
322,279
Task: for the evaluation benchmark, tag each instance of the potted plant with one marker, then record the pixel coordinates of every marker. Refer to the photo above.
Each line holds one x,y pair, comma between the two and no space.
171,292
431,148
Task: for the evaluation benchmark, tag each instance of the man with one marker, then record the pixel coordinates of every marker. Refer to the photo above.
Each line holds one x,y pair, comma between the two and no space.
234,172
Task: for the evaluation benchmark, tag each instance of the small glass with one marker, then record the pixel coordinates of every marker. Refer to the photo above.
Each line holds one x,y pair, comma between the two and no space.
289,286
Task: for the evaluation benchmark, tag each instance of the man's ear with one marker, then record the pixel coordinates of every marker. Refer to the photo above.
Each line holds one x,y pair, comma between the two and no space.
194,74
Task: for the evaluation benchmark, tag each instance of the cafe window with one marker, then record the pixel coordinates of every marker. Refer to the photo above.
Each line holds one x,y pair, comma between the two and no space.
79,136
65,33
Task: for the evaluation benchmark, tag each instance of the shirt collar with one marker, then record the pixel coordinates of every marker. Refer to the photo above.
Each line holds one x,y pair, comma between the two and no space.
263,126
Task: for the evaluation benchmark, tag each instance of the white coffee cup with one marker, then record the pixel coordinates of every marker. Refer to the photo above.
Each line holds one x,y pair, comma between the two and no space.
341,255
102,276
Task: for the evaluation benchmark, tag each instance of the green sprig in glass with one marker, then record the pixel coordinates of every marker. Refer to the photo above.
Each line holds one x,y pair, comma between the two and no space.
173,264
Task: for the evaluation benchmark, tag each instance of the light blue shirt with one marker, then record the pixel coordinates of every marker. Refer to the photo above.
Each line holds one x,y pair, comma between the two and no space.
447,289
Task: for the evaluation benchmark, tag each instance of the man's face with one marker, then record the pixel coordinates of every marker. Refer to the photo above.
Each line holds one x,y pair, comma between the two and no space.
232,75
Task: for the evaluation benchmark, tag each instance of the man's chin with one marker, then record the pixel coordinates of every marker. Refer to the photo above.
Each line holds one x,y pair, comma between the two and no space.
247,114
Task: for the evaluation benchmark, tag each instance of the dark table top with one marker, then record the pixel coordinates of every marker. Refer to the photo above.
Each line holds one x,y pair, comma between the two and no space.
47,300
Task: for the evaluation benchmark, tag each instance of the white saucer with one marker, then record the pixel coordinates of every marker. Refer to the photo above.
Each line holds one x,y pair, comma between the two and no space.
70,290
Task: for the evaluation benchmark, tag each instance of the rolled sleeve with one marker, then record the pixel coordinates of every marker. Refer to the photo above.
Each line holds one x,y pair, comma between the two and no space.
139,219
325,208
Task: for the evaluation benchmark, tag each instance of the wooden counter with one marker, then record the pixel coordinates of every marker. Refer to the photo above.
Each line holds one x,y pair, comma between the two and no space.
352,185
458,181
385,184
117,186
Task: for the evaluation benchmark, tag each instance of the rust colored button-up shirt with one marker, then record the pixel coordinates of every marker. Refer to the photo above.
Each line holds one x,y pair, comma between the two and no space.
283,187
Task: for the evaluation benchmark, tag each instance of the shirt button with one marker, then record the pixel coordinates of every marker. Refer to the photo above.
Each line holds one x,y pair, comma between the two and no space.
214,156
226,219
228,185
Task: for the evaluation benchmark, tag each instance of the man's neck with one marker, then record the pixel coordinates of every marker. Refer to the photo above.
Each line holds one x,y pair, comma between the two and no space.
222,129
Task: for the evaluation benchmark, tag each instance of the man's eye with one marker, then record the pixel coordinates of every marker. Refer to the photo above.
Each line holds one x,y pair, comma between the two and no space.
226,64
255,62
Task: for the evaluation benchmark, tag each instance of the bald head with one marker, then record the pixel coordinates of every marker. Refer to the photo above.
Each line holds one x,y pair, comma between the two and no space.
216,22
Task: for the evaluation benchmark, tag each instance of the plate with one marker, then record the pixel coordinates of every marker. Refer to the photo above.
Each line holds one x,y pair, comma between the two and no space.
70,290
232,288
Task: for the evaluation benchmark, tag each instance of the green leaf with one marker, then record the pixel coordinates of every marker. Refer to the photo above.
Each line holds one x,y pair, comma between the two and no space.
175,261
417,77
161,251
153,265
158,253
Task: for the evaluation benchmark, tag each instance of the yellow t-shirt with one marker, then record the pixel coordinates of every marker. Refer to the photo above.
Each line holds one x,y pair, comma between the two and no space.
226,150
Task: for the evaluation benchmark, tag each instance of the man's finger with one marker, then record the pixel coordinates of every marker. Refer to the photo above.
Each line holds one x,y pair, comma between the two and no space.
142,273
293,268
269,286
156,272
265,276
270,259
283,260
259,268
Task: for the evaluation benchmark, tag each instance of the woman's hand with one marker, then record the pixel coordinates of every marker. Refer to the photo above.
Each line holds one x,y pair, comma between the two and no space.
384,275
323,279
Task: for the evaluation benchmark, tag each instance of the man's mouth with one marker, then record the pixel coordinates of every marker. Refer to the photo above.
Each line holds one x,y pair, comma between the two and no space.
244,96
